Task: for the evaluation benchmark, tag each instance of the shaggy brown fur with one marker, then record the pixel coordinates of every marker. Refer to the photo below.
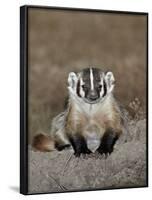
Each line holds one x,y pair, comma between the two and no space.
43,143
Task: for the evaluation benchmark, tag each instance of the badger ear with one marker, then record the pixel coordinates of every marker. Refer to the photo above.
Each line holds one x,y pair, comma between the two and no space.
110,81
72,80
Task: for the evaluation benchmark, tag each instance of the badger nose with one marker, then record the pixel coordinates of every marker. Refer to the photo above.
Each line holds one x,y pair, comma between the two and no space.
93,95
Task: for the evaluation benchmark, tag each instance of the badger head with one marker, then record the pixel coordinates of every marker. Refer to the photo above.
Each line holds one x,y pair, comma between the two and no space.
91,85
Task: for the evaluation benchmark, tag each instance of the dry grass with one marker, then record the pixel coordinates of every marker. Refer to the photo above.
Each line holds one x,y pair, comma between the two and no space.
60,42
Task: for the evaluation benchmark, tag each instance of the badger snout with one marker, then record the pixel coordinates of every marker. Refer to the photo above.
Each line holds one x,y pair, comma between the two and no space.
93,95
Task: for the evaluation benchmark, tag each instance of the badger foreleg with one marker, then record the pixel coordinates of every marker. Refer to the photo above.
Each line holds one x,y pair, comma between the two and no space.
108,141
79,145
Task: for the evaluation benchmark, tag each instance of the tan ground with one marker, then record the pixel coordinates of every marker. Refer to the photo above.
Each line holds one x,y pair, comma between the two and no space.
62,171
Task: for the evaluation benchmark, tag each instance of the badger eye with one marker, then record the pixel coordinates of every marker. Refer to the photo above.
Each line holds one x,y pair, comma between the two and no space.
100,86
84,86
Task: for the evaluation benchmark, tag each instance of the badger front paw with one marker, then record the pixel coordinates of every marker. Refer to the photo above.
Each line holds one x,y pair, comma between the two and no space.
107,142
83,151
105,149
79,145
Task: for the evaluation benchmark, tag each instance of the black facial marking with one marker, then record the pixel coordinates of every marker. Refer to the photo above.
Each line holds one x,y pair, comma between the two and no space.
78,88
86,74
94,94
79,145
104,88
96,75
97,81
107,142
86,79
86,89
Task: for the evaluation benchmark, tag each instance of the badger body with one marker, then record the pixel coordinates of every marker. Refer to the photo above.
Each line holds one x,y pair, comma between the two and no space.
92,120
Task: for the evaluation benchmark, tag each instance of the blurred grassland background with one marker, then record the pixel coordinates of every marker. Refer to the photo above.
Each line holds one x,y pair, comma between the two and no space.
64,41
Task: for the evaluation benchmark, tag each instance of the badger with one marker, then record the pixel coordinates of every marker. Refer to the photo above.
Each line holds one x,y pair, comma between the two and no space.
92,119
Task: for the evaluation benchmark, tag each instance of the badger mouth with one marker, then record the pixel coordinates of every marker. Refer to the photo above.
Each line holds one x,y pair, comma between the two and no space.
91,101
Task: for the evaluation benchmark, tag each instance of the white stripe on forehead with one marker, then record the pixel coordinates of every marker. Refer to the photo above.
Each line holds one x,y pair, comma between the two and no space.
91,79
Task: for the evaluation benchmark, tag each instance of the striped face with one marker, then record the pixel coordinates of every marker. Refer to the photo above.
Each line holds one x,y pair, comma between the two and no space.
92,85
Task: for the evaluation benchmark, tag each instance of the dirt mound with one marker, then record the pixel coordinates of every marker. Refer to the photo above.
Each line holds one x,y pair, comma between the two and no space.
62,171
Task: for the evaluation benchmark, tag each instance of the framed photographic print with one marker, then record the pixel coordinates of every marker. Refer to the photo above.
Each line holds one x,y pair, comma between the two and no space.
84,99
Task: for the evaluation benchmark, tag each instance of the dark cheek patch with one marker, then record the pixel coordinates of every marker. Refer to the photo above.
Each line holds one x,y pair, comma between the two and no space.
85,93
98,91
78,88
104,88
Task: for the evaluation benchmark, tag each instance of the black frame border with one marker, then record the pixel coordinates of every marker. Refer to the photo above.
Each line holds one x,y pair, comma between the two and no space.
24,93
23,100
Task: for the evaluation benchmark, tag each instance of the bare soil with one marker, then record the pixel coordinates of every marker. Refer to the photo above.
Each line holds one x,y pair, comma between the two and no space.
62,171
